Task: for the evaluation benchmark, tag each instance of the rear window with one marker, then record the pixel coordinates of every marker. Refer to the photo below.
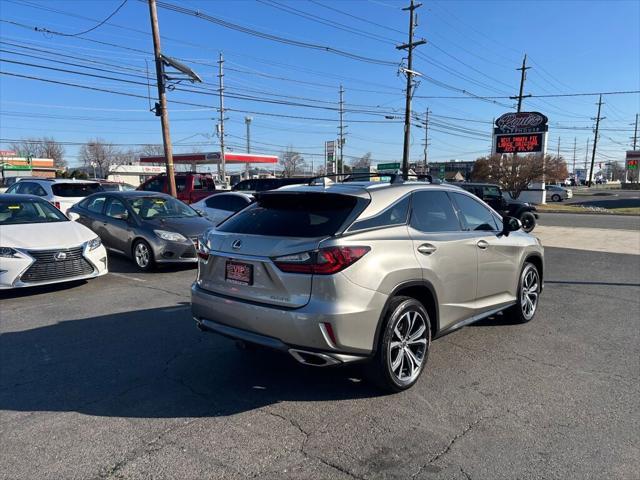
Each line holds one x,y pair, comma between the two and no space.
75,189
292,215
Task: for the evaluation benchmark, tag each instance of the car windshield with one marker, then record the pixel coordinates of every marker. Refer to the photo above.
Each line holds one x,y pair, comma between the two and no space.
75,189
160,207
29,211
292,215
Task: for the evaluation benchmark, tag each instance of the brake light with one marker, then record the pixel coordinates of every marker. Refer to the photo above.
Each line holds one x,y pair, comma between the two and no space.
325,261
57,205
202,251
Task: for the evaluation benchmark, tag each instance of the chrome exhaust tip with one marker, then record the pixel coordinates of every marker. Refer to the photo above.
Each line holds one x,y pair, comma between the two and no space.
314,359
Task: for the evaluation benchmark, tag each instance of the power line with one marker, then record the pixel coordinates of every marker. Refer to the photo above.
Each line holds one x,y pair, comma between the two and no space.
323,21
268,36
46,30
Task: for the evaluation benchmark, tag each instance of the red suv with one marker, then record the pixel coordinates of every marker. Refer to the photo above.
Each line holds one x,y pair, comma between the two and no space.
191,187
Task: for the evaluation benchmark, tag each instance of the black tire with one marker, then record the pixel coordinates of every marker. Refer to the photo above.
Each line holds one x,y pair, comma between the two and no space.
528,220
380,370
556,198
518,313
139,246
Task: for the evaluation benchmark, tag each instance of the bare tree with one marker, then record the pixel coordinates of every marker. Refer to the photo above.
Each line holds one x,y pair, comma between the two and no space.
152,150
515,172
363,162
617,171
101,156
292,163
45,147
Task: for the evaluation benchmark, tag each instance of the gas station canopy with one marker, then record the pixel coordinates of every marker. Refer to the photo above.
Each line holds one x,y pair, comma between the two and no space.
230,158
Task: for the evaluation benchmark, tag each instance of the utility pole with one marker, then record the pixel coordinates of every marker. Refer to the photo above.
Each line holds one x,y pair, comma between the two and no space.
558,154
586,159
595,139
221,91
161,106
523,77
574,157
635,133
341,130
426,141
409,73
247,121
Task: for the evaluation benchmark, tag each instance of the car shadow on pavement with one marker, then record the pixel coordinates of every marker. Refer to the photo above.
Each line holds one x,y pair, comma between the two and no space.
154,364
39,290
121,264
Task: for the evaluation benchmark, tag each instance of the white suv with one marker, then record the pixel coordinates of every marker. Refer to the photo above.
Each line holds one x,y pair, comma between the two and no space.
62,193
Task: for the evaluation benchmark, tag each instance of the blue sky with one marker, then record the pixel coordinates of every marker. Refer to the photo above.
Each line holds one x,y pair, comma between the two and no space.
475,46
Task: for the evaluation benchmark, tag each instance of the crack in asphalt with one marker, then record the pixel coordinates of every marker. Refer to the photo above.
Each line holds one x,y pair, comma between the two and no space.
155,444
303,446
151,446
466,475
452,442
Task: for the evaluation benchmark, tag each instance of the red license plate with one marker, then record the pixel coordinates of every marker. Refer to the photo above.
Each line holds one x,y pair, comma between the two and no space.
236,272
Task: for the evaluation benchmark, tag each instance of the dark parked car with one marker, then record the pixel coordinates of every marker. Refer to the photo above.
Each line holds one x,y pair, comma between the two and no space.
264,184
150,228
507,207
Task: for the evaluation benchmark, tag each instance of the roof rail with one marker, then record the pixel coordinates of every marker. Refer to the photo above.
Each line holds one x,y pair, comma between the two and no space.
394,178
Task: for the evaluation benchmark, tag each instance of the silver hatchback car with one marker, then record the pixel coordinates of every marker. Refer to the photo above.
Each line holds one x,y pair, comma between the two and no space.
360,271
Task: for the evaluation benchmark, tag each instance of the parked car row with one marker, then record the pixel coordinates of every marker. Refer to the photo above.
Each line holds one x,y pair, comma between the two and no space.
331,273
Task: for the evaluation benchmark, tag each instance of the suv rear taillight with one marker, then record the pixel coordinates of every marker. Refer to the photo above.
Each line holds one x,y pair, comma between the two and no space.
325,261
57,205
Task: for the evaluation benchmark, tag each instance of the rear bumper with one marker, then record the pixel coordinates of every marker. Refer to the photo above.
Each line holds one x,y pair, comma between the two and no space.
306,356
353,326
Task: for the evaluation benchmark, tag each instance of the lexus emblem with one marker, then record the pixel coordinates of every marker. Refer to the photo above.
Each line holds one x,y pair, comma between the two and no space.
59,256
236,244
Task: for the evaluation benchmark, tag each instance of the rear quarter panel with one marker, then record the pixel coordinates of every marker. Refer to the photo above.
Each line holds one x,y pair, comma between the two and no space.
390,262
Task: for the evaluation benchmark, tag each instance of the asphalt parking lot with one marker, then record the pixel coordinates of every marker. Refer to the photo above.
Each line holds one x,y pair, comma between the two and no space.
111,379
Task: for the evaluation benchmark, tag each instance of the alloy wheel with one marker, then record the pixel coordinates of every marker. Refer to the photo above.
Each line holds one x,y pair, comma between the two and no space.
408,346
529,292
142,255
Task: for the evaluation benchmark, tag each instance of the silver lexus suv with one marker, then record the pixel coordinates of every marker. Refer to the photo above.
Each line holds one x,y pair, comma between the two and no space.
363,271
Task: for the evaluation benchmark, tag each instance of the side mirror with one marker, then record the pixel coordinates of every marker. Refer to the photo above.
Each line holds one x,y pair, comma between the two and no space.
510,224
73,216
200,212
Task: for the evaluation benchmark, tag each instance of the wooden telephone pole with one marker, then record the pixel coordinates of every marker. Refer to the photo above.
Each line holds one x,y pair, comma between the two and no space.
221,91
161,105
410,73
523,76
595,140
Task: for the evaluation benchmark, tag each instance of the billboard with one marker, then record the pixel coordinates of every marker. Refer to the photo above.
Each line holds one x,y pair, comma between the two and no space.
519,143
520,132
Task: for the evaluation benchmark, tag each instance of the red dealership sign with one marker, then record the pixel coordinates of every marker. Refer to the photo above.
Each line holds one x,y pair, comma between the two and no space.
519,143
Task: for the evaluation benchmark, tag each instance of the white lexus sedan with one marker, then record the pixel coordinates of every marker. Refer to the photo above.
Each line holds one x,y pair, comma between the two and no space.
39,245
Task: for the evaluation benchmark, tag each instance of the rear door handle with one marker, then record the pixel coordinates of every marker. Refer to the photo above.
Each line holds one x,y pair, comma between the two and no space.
482,244
426,249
